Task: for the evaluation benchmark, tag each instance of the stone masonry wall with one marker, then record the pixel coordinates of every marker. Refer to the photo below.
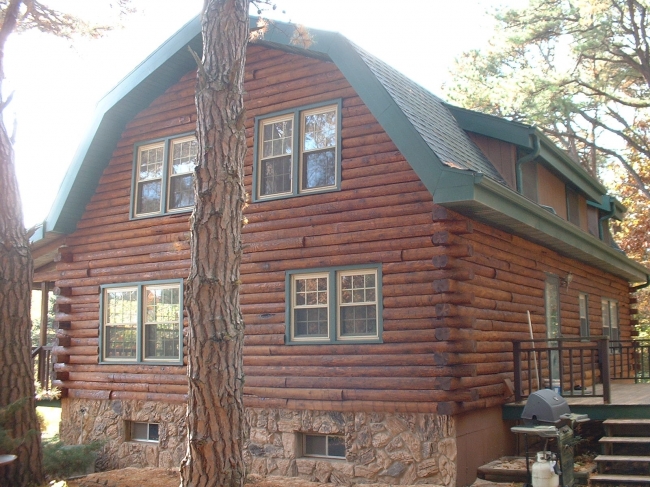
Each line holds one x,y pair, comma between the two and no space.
387,448
85,420
380,447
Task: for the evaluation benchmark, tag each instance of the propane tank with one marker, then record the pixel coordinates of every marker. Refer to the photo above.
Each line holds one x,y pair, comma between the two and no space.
544,471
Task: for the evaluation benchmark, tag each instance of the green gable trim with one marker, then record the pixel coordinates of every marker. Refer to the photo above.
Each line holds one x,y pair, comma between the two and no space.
498,206
145,83
521,135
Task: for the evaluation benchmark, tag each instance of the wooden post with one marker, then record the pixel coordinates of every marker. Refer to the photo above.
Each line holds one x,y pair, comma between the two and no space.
44,309
603,352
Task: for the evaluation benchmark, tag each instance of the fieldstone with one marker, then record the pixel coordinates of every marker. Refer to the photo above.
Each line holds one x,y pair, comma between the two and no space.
447,447
363,438
409,477
259,466
427,449
447,470
289,425
401,456
413,445
359,420
394,425
256,450
395,470
283,467
273,451
383,459
377,417
339,478
395,444
166,460
380,440
345,468
305,466
367,471
259,435
377,427
323,471
427,468
366,457
290,444
151,455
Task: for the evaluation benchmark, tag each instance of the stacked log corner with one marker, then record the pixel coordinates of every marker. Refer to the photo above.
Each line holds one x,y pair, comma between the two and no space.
455,291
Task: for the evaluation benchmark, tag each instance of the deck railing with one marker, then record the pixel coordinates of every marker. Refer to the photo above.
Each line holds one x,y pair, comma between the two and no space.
630,359
42,359
575,367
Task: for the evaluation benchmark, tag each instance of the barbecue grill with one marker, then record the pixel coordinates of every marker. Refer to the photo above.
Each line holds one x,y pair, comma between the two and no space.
547,415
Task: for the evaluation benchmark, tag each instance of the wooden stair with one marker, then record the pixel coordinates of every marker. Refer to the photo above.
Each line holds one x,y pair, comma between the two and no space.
626,453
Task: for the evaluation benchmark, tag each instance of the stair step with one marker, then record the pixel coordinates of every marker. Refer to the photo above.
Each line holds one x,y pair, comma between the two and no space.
619,478
627,421
639,440
622,458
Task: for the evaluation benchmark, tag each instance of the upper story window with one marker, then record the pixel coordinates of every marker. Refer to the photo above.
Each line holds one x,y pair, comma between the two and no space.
163,176
297,152
142,322
572,206
334,305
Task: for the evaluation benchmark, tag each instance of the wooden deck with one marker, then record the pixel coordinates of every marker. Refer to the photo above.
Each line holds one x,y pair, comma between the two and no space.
629,400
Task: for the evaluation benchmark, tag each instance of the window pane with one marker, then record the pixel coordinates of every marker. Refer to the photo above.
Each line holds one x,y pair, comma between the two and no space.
315,445
310,322
358,309
181,191
319,169
320,131
121,341
184,156
605,315
277,137
149,196
122,306
336,446
583,301
162,322
275,176
153,432
358,320
151,163
139,431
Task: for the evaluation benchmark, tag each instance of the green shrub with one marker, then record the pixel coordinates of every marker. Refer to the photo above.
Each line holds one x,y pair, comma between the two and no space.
62,461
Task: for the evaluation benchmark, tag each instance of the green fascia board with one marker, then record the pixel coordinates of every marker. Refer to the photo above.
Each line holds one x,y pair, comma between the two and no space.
521,135
135,92
491,202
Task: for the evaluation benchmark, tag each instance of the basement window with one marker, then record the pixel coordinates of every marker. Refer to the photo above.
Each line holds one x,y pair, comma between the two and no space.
139,431
324,446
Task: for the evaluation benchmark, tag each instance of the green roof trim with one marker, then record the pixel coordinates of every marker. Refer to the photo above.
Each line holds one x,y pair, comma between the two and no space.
521,135
501,207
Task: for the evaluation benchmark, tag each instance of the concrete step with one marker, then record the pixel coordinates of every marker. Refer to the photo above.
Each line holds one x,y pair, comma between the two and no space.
618,479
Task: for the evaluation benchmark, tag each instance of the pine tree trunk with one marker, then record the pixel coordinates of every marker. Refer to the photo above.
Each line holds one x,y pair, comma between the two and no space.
215,418
16,267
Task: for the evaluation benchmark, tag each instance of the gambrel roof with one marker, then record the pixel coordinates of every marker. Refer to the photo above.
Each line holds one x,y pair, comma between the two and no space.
429,133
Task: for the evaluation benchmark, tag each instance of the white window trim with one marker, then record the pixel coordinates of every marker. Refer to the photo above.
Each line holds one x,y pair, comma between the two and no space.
131,437
294,306
260,159
609,324
301,165
584,298
312,455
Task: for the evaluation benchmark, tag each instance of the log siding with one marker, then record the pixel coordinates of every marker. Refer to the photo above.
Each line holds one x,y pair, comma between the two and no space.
455,291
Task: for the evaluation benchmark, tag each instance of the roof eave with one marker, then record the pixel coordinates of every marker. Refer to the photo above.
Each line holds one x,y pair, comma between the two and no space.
487,201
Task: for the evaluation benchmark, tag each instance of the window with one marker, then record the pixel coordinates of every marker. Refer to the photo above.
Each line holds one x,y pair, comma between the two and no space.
142,431
163,176
334,305
583,305
142,322
553,328
297,152
609,308
329,446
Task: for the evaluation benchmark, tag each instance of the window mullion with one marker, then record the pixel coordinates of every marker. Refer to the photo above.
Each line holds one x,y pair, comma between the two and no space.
333,305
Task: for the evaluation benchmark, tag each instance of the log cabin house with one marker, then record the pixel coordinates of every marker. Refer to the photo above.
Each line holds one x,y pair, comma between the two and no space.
394,246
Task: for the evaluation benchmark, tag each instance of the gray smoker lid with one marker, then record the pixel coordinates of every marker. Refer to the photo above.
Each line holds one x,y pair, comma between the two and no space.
545,406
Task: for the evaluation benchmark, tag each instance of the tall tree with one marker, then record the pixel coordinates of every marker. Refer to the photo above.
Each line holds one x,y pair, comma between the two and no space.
215,413
16,371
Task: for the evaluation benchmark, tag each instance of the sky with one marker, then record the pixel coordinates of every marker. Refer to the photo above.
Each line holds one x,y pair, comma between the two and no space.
57,83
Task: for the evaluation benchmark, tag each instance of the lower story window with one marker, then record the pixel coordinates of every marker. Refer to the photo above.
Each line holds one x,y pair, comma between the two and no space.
139,431
142,322
609,308
328,446
334,305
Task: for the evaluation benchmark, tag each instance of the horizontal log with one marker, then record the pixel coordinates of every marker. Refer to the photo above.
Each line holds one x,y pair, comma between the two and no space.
393,372
150,396
341,406
163,370
107,377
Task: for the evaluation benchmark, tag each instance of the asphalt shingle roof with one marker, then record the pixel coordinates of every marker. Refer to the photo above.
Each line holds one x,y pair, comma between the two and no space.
431,118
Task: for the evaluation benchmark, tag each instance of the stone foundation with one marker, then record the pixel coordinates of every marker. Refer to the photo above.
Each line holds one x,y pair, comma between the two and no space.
379,447
387,448
85,420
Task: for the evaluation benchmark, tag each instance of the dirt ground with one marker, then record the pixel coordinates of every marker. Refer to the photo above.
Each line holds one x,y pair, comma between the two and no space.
160,477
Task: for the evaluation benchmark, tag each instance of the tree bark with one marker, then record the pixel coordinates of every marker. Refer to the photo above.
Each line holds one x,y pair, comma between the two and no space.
16,267
215,417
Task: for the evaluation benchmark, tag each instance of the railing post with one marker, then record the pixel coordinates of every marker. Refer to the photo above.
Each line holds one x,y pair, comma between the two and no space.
516,351
603,359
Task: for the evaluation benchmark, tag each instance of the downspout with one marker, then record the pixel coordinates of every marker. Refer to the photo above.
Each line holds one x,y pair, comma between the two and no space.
527,158
605,217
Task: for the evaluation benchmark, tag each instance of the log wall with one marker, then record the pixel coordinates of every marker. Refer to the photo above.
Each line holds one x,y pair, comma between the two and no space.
455,292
